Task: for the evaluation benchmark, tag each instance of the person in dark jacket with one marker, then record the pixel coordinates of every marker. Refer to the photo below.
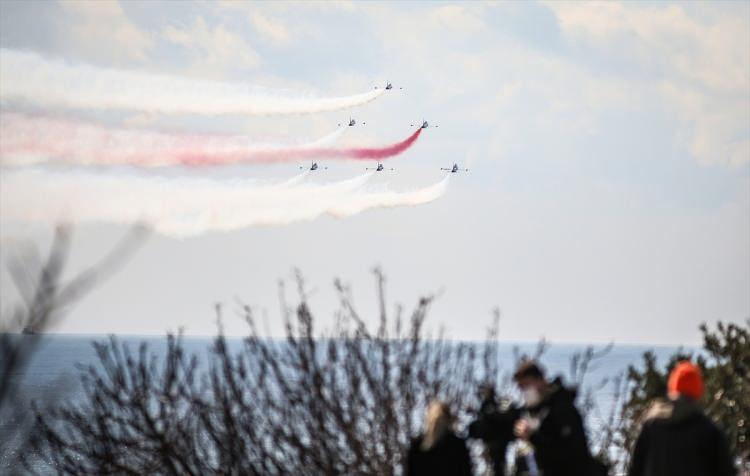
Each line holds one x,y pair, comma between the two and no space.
438,451
494,427
553,425
677,438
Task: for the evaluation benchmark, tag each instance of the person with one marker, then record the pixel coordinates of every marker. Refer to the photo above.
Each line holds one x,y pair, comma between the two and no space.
677,438
553,426
494,426
438,451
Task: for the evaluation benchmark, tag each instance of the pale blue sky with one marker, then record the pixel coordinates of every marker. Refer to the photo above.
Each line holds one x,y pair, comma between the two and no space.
609,148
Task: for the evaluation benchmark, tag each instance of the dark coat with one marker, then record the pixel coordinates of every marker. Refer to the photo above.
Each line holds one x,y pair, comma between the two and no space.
495,428
560,442
677,438
449,456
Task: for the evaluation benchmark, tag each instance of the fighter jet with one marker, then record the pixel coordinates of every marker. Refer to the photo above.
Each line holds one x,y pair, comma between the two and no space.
388,86
313,167
379,168
454,169
352,122
424,125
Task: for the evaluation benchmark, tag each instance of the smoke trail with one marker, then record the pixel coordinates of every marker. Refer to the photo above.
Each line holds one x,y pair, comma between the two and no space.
182,207
31,78
26,140
201,156
389,199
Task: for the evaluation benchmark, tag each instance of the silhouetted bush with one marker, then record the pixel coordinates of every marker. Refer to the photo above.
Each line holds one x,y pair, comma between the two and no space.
44,298
343,402
725,362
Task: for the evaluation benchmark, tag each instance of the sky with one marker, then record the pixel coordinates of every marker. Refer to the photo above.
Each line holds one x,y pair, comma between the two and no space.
608,148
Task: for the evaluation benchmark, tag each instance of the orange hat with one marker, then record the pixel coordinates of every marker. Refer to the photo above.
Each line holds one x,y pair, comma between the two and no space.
686,379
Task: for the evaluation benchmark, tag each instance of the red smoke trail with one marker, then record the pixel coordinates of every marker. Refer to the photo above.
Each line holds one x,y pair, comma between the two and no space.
285,155
29,139
378,152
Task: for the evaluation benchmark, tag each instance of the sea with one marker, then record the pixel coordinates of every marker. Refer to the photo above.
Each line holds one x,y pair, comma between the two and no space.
53,374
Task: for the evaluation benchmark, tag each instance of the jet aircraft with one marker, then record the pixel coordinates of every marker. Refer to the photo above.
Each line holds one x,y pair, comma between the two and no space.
454,169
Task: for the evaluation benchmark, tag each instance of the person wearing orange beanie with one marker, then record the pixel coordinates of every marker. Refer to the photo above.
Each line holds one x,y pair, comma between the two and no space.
686,380
677,438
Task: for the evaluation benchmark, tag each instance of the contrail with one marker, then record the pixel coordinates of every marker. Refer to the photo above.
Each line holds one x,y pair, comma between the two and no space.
389,199
183,207
26,140
198,157
31,78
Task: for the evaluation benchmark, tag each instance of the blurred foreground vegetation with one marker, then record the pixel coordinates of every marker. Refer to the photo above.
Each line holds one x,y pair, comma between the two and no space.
346,400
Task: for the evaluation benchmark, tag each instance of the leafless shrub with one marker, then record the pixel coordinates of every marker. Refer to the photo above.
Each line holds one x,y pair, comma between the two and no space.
342,402
45,297
346,400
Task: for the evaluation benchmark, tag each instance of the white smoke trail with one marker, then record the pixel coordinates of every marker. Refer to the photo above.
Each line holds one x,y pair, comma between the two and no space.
182,207
31,78
27,140
390,199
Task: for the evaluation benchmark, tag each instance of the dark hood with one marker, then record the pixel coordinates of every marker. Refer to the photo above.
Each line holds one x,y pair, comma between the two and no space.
561,393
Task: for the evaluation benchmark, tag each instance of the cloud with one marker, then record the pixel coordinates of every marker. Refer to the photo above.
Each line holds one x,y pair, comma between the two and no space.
714,55
480,75
716,128
321,5
212,50
699,67
458,18
102,31
270,29
609,59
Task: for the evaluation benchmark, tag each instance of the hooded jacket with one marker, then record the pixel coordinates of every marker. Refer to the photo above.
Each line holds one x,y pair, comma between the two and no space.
678,439
560,442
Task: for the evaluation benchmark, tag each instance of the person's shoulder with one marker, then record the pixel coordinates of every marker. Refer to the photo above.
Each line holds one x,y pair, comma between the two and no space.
658,410
662,412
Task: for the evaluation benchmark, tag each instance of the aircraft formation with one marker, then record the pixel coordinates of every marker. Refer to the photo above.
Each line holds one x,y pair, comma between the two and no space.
380,168
182,203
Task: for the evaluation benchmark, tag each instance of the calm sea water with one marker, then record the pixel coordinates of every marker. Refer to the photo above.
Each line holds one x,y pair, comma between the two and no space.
58,357
55,368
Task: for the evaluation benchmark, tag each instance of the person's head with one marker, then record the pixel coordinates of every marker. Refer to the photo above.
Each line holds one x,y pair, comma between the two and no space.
530,379
486,391
686,380
438,421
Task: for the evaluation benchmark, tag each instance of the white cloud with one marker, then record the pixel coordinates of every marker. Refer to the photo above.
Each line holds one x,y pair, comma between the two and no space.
458,18
270,29
501,76
714,55
213,49
714,125
102,31
700,68
240,5
692,73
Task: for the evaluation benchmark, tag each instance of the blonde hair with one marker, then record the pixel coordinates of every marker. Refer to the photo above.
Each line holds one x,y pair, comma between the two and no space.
438,421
